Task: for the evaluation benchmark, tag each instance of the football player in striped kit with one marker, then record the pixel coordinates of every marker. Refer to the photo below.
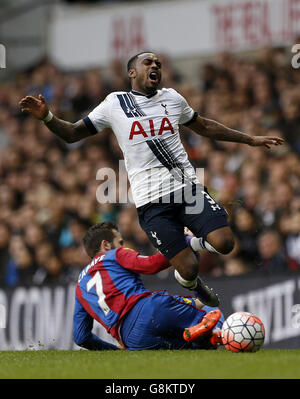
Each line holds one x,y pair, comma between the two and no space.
110,290
163,182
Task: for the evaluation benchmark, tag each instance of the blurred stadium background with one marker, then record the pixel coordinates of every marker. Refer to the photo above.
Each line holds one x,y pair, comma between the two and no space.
231,59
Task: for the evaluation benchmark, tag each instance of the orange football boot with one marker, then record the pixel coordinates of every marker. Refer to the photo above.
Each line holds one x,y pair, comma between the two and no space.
216,338
205,326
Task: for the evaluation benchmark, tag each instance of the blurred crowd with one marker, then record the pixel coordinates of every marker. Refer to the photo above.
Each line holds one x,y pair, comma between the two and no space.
48,190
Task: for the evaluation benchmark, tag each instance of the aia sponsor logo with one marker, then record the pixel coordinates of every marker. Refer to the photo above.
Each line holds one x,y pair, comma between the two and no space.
138,129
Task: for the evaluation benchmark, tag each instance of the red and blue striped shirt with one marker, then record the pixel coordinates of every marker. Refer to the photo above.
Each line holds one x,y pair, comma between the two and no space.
110,285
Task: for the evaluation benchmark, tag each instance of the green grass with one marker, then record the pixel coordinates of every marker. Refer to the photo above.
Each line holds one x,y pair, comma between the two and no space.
189,364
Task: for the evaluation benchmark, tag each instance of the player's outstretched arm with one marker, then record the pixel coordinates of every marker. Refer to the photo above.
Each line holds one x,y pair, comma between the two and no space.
132,260
217,131
38,108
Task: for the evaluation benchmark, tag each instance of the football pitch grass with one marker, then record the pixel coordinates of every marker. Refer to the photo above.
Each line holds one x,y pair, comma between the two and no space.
188,364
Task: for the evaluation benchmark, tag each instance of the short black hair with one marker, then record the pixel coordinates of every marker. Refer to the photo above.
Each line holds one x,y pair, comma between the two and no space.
95,234
132,61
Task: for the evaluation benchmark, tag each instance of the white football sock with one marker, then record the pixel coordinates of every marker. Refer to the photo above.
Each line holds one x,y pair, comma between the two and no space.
199,244
190,284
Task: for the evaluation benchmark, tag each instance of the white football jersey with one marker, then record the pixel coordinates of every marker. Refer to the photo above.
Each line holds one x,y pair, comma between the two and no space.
147,130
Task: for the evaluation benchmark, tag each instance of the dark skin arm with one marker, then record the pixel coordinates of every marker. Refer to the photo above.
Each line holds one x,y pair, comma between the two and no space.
69,132
217,131
72,132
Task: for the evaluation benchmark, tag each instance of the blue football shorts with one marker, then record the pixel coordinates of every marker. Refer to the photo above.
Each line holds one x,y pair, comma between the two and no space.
158,321
164,220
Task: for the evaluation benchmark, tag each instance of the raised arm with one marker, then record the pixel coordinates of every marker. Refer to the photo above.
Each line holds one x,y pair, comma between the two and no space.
69,132
217,131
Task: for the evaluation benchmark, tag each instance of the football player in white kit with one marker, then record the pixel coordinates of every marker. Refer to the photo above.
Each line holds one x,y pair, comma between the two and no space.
146,123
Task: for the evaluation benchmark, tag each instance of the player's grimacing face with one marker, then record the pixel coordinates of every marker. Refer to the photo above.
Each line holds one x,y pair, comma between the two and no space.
147,73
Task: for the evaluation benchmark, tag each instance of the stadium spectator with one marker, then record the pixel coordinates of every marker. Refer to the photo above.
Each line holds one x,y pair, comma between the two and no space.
246,230
236,266
46,183
21,265
273,258
49,268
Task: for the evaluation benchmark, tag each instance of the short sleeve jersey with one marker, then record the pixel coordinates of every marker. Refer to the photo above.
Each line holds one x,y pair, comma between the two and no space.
147,130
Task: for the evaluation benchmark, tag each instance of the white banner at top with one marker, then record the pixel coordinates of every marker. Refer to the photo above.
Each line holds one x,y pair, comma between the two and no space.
82,37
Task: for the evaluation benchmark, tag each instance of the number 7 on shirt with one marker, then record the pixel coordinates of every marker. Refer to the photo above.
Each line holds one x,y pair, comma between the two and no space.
97,281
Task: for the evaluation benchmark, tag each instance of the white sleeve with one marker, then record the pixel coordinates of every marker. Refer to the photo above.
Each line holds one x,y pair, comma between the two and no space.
99,118
187,113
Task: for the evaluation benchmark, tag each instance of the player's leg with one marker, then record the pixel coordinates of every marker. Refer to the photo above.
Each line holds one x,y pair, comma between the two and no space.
220,241
207,333
159,321
210,225
136,327
192,282
215,339
166,232
155,323
187,265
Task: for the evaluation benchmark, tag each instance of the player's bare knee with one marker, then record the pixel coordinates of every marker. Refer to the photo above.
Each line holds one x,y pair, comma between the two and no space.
226,246
187,265
222,241
189,271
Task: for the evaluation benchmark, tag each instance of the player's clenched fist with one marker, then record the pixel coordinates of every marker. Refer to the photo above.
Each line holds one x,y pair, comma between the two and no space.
37,107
